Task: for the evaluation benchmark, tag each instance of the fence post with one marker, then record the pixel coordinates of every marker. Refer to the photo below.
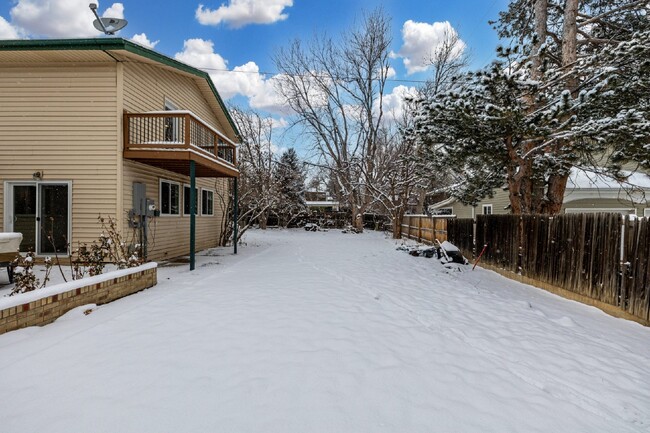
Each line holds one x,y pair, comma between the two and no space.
622,288
474,249
419,229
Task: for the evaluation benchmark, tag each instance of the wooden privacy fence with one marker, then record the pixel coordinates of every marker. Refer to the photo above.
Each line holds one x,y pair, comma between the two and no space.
423,228
604,257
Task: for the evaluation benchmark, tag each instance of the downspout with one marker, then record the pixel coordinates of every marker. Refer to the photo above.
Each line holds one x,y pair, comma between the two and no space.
235,216
192,214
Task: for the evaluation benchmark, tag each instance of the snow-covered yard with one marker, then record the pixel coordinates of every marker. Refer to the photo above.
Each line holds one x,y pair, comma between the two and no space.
328,332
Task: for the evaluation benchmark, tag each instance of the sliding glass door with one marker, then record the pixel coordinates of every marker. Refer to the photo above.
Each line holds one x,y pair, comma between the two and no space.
41,212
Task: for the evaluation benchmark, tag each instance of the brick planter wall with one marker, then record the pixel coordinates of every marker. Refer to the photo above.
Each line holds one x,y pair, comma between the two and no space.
44,306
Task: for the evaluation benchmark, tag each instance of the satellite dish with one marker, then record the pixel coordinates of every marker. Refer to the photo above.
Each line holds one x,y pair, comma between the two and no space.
107,25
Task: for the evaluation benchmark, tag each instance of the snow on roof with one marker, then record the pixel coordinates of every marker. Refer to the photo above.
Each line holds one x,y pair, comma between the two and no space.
443,203
581,179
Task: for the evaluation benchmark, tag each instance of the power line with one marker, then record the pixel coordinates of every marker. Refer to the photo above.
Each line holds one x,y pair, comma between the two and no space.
394,80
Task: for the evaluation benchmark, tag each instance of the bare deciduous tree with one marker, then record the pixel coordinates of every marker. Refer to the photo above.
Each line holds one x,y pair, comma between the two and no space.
257,185
336,91
447,60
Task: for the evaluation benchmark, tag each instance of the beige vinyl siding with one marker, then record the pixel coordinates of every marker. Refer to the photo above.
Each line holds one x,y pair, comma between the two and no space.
62,121
146,87
461,210
500,205
170,235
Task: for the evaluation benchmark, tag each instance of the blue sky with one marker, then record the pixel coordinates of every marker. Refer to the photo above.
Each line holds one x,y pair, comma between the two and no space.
225,35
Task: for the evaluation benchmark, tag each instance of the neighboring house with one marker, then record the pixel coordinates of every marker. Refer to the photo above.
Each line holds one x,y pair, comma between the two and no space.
320,201
89,123
585,193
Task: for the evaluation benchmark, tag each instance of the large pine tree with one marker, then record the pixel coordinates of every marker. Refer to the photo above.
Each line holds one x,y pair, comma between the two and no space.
570,91
290,178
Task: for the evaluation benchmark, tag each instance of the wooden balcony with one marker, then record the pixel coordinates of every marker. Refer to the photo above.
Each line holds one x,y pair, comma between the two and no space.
171,139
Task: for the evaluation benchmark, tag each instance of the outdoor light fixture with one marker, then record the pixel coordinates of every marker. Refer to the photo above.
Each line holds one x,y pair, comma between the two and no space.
107,25
37,175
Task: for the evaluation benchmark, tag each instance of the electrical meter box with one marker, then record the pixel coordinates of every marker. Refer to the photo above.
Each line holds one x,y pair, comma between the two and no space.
139,199
150,208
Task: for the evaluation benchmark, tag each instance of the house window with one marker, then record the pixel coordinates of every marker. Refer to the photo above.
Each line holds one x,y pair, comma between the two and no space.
170,196
487,209
186,200
207,202
646,212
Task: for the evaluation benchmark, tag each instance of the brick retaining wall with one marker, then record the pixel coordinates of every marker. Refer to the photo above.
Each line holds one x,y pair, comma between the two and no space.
51,306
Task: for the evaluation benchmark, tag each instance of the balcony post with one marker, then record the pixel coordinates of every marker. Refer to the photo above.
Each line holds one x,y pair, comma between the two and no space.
188,132
235,215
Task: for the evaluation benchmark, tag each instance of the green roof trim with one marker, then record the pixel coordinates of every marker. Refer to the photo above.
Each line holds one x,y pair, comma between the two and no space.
108,44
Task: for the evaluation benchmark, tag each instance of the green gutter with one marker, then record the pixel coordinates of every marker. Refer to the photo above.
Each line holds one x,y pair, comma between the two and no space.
108,44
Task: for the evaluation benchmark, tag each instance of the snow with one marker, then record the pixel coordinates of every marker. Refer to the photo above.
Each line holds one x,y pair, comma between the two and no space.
326,332
4,237
55,289
587,180
10,242
449,247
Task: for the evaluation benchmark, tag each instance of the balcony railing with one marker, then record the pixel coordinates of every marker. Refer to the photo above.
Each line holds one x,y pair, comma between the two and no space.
176,130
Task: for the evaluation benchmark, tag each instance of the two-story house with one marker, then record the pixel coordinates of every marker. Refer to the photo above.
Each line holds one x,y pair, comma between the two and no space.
107,127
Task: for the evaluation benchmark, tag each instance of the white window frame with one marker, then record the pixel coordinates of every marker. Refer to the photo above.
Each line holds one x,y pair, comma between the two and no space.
170,182
198,200
646,212
213,193
487,206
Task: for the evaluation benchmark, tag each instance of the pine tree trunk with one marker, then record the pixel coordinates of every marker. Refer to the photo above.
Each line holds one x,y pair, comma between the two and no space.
570,42
555,194
541,18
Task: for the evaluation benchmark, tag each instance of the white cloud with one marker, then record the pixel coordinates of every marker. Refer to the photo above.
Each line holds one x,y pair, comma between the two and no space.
280,123
58,18
394,103
238,13
200,53
420,40
244,80
142,39
115,11
7,31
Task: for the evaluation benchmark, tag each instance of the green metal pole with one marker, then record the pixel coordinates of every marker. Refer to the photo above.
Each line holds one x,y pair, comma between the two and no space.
192,214
235,216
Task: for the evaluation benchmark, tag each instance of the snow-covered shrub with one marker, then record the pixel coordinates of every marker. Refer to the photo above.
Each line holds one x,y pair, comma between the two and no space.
90,258
120,253
108,248
24,278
